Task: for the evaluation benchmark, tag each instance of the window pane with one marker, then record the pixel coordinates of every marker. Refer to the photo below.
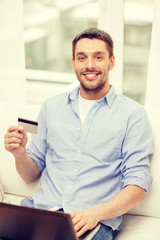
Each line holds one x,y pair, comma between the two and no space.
50,26
137,35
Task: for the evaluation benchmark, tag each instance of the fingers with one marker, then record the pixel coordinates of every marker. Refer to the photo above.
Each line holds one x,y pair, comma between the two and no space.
15,128
13,135
82,230
81,222
13,138
79,226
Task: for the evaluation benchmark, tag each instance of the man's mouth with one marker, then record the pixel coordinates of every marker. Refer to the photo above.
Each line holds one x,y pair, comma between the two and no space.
91,76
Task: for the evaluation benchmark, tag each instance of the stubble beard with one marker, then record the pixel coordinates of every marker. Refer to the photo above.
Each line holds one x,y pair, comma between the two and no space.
95,88
91,87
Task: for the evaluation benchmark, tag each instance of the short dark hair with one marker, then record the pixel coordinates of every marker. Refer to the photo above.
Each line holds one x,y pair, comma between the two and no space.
92,33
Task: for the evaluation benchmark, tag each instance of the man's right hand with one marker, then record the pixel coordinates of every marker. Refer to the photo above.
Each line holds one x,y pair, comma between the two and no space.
15,140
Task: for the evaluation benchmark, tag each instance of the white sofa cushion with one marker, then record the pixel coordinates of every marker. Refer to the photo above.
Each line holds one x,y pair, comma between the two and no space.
139,228
1,193
11,181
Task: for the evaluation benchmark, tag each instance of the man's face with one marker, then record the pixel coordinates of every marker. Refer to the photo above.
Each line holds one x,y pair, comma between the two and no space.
92,65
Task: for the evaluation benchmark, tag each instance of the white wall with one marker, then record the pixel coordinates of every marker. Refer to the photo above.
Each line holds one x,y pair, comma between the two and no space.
11,51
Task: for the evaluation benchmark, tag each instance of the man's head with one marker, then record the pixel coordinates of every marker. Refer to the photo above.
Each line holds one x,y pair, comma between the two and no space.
94,33
92,60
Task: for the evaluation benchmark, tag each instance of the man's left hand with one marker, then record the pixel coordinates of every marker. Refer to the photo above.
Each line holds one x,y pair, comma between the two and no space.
84,220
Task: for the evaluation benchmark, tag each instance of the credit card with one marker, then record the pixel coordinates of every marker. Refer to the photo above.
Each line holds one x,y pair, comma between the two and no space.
28,125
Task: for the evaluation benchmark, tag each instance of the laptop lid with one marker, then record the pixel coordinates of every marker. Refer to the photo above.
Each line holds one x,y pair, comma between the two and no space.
23,223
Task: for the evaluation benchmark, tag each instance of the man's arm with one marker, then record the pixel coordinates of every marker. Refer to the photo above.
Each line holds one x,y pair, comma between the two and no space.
15,142
120,204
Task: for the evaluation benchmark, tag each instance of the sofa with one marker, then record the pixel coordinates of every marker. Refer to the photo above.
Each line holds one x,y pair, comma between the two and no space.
141,223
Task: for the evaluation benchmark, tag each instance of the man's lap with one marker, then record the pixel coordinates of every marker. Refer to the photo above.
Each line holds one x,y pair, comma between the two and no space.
104,233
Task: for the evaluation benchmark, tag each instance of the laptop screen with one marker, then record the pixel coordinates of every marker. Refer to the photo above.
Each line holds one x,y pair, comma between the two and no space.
23,223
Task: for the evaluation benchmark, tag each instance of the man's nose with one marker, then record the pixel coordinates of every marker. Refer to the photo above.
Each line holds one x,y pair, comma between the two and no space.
90,63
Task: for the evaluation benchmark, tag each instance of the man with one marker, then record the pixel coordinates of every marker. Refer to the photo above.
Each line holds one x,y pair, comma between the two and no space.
93,145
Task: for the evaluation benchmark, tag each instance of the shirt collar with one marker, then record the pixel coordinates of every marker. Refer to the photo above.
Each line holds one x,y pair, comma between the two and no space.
108,98
73,95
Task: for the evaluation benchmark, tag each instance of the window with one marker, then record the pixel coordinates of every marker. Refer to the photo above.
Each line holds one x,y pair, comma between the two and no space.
138,16
50,26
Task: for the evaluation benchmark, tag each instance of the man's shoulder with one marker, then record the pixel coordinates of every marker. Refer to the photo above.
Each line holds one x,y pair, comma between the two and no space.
128,105
57,99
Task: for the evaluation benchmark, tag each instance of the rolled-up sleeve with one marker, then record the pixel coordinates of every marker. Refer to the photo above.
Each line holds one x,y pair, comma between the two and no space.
136,149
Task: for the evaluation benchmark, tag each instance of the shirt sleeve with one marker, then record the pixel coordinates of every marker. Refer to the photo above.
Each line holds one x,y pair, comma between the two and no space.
136,149
38,147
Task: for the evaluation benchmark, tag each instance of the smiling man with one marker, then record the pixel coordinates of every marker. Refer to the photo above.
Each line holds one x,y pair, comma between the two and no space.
92,148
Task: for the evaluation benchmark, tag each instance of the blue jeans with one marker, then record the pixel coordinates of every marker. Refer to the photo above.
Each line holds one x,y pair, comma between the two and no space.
104,233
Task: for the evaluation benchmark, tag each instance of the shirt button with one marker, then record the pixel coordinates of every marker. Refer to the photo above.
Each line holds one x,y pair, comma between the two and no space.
64,203
78,129
69,187
75,170
79,151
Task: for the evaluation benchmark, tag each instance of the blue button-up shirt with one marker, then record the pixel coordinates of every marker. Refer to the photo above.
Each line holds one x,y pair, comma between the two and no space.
85,166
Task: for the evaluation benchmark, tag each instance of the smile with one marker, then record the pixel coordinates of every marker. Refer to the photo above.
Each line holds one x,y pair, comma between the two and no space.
91,76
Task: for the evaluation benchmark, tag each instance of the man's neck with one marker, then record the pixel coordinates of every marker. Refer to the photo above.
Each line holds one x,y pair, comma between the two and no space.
93,94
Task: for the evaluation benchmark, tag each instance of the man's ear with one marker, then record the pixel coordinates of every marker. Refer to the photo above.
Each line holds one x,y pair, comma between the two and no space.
111,63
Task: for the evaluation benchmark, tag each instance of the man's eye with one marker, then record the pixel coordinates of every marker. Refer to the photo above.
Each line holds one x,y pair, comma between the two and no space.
99,57
81,58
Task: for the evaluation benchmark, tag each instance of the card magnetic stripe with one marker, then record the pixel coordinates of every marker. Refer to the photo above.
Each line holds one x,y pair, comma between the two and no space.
27,121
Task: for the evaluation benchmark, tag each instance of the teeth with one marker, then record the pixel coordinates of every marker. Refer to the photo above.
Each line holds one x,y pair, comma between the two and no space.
90,75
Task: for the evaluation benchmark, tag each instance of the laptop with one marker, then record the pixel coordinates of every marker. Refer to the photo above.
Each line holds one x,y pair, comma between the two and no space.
24,223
